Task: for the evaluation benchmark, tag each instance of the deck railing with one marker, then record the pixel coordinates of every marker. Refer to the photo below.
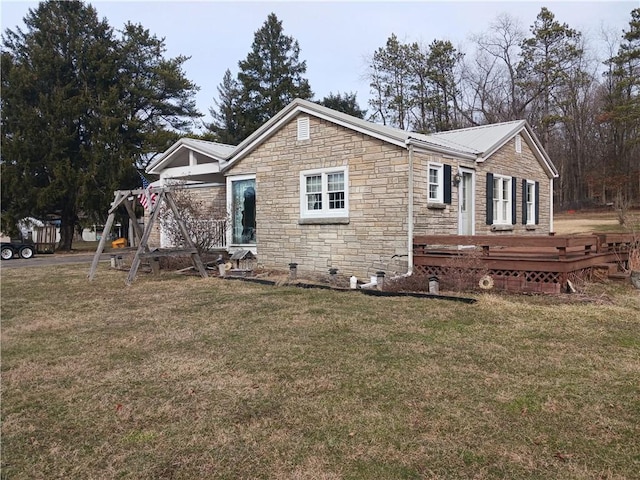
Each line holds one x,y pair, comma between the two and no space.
522,263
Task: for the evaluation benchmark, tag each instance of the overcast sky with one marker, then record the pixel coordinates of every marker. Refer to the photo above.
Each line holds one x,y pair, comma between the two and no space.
335,37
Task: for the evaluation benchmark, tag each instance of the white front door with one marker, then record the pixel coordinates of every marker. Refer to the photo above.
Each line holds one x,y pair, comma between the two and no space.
466,204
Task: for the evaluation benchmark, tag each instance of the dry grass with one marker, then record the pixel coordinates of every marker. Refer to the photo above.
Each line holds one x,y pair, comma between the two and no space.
594,222
182,377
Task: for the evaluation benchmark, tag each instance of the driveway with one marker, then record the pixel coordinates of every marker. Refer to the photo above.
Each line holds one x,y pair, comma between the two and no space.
45,260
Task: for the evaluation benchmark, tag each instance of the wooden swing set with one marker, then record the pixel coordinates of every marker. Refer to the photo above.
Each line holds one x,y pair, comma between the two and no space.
127,198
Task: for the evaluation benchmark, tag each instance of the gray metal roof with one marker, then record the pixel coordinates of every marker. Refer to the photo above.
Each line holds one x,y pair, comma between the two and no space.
214,149
474,142
482,139
218,151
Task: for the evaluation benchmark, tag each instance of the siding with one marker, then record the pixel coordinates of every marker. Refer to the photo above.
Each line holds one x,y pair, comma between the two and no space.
378,175
521,165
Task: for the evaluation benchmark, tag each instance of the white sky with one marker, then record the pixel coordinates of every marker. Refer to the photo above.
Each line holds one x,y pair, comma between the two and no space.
335,37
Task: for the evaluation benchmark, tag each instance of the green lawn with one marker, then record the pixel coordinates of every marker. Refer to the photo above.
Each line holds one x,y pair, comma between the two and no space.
182,377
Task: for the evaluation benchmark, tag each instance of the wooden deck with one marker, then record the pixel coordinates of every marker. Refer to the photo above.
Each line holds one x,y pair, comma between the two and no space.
521,263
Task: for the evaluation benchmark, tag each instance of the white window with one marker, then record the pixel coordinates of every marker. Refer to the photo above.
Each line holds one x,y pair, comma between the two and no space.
324,193
518,144
436,183
530,193
303,128
501,200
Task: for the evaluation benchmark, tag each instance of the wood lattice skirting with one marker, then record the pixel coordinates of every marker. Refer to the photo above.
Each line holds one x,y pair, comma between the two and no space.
520,264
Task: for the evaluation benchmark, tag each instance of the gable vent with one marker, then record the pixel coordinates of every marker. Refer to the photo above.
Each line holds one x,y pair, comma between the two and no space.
518,144
303,128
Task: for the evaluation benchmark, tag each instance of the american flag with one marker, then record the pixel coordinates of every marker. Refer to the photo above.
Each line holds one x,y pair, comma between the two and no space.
147,198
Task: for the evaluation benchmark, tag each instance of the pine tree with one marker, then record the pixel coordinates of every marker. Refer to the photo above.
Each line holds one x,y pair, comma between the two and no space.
227,125
391,80
548,58
621,114
269,78
345,103
272,74
80,107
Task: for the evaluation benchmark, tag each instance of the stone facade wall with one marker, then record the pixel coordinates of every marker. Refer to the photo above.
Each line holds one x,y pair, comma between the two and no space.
522,166
430,219
444,219
377,226
375,237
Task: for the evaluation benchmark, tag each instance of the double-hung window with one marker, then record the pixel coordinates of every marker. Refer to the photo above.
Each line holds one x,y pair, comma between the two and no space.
436,183
324,193
530,202
502,207
530,194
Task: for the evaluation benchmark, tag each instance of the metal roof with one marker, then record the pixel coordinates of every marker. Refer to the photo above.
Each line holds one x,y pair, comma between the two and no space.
214,149
475,142
217,151
482,139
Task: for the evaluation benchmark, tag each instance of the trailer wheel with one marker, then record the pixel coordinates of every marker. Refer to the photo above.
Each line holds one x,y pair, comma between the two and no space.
7,253
26,252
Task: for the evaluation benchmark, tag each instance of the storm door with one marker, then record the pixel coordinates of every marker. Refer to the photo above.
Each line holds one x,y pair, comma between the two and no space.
243,211
466,206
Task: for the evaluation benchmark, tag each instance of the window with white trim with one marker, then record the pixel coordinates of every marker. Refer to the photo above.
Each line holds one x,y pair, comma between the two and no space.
530,193
501,200
324,193
436,183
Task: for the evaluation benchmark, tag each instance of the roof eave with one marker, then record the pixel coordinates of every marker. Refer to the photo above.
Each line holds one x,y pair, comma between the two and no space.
162,162
430,147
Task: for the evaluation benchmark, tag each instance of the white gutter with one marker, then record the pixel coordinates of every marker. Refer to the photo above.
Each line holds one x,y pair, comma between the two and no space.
425,146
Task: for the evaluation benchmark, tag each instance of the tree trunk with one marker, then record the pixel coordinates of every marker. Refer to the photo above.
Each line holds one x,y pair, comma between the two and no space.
67,227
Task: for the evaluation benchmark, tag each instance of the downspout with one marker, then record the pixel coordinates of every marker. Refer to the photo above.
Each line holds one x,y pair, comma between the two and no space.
409,222
410,212
551,205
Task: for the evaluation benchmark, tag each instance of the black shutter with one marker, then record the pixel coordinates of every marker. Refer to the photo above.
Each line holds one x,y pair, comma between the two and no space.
447,184
489,198
524,201
537,203
514,208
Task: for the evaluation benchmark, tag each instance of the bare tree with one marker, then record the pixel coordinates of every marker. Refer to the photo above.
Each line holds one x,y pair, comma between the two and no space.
205,222
493,86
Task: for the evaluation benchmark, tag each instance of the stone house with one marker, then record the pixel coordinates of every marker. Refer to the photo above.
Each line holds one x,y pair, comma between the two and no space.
326,190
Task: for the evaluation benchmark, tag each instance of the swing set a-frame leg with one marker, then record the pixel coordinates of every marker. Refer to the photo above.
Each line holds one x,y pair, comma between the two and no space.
120,197
135,264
